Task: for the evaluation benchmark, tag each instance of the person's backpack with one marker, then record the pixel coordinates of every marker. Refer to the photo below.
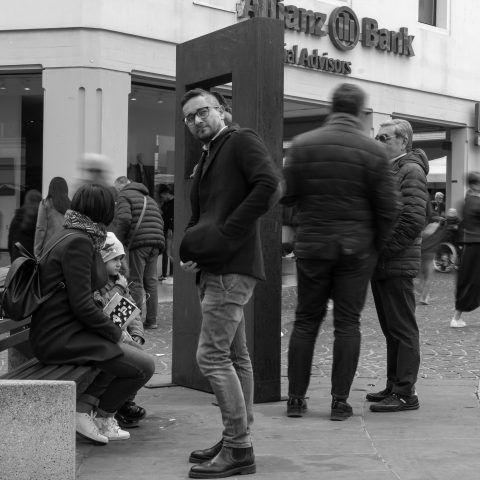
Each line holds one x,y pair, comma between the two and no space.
22,293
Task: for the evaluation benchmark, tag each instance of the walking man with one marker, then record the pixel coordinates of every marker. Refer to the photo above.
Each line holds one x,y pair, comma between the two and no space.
398,265
234,184
138,225
340,182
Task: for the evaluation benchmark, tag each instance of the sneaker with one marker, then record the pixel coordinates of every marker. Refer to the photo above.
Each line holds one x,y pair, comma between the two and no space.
378,396
457,323
341,410
396,403
296,407
108,426
129,415
87,428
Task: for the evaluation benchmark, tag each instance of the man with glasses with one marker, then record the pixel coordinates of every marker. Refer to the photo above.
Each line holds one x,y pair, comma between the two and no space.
340,182
234,184
398,265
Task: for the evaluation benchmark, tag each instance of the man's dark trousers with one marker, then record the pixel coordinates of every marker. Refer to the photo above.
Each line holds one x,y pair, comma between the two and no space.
395,303
345,280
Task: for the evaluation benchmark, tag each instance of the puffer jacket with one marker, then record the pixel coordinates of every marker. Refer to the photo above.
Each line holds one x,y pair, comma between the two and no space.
128,209
341,184
401,256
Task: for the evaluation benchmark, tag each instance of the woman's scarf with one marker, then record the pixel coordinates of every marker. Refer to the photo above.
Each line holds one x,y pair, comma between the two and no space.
96,231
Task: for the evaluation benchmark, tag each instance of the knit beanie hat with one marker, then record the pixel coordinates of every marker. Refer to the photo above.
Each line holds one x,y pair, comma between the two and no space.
113,248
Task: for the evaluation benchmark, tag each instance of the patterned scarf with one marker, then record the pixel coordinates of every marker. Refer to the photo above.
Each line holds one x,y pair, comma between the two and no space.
96,231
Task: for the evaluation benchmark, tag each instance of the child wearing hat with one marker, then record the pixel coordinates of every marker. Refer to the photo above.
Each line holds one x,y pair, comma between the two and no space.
113,255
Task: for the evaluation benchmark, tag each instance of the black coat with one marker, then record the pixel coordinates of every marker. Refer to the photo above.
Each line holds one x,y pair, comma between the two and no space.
70,327
401,257
340,182
231,190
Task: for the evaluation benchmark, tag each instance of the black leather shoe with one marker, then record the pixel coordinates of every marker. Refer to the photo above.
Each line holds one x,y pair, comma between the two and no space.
230,461
296,407
341,410
378,396
200,456
396,403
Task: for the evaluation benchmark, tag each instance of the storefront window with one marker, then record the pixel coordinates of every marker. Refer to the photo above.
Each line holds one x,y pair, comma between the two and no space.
151,136
434,12
21,146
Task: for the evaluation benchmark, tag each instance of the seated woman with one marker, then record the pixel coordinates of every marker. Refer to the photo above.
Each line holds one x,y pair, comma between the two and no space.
70,328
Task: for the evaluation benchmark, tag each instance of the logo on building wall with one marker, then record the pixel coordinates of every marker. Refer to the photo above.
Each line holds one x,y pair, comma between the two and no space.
343,26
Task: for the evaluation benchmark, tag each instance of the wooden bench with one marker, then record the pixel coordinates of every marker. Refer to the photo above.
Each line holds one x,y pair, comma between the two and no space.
31,369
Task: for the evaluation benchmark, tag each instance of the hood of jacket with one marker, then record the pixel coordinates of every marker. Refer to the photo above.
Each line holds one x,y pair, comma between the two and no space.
136,186
416,155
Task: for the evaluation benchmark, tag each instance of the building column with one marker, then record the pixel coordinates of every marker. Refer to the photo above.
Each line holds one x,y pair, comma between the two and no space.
457,167
85,111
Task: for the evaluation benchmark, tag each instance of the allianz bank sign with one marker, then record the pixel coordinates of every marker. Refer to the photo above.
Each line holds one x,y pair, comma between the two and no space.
342,26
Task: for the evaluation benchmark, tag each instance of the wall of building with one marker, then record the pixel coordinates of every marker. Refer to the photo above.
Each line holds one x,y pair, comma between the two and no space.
97,44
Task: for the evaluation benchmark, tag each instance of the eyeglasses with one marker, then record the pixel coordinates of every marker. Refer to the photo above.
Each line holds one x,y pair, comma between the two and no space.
201,113
384,138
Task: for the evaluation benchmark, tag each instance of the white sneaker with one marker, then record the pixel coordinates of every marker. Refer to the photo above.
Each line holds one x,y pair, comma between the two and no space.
457,323
87,428
109,427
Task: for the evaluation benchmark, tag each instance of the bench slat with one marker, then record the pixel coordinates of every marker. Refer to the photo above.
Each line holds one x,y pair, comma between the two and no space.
14,339
6,324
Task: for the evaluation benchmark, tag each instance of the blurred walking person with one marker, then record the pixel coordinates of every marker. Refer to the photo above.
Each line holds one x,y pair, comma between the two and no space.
51,213
341,185
467,295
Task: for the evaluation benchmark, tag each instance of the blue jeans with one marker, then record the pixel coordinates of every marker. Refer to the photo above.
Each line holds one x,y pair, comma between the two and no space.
143,275
119,379
222,353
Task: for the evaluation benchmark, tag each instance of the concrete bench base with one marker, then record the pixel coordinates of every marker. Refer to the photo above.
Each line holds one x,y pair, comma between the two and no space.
37,430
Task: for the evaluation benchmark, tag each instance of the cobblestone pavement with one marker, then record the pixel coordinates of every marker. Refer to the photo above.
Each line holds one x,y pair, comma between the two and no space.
446,352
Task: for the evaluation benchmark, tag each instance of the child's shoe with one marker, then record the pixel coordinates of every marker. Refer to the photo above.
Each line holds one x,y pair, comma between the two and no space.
129,415
86,427
108,426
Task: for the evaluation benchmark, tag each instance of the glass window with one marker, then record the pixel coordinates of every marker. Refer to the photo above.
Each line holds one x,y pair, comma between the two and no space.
427,11
434,12
21,146
151,136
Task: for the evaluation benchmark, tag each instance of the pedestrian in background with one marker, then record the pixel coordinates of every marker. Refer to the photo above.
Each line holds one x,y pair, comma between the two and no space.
166,202
346,202
467,294
234,184
51,213
398,265
23,225
138,225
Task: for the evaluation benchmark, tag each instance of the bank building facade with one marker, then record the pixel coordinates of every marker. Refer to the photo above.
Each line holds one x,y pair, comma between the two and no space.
99,76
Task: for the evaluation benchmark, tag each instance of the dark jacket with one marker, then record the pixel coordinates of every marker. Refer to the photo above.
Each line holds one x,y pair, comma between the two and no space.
231,190
340,181
401,257
128,210
21,230
471,218
69,327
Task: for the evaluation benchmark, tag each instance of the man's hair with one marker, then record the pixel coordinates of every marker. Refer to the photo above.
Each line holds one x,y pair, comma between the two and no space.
439,194
473,178
402,128
120,182
199,92
96,202
348,98
165,188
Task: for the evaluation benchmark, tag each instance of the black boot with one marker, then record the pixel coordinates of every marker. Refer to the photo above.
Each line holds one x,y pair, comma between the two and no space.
230,461
200,456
